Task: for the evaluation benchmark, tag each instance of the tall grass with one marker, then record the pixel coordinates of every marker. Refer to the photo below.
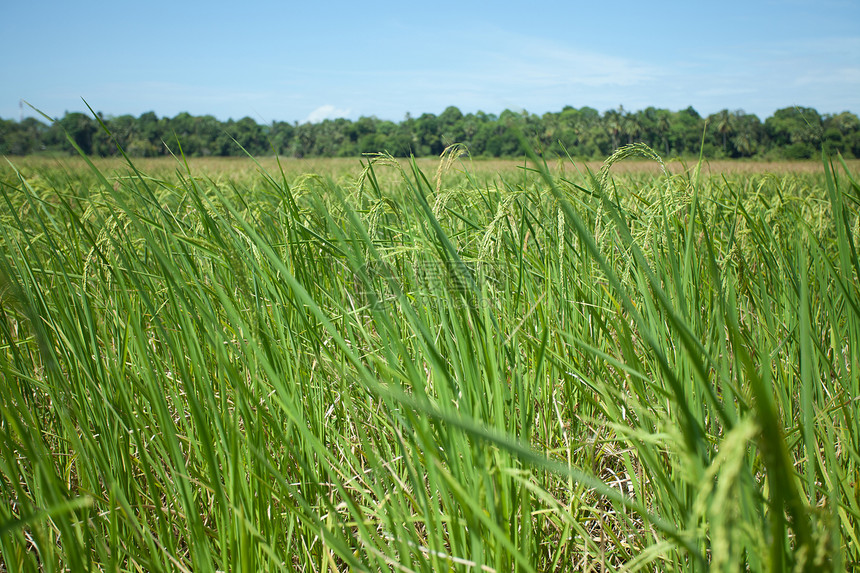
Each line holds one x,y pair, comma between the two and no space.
543,371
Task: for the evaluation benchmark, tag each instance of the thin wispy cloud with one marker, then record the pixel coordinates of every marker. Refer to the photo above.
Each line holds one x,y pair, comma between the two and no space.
542,63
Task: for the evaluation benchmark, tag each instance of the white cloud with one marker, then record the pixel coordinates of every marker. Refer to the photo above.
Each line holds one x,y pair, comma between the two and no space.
325,112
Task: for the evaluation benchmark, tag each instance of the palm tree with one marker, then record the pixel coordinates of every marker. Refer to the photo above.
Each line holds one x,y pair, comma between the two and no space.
744,144
663,128
630,126
725,126
613,125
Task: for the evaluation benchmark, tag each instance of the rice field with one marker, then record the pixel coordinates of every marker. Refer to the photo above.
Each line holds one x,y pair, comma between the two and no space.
440,365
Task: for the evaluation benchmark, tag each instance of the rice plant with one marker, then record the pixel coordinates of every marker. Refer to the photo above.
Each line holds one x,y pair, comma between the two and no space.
555,370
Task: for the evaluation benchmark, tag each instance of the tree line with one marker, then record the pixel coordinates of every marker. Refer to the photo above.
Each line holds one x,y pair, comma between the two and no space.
790,133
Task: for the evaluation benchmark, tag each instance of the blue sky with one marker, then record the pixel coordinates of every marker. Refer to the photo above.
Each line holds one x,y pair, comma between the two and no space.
301,62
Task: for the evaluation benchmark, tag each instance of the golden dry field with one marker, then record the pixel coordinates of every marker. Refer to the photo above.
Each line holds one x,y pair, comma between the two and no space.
338,167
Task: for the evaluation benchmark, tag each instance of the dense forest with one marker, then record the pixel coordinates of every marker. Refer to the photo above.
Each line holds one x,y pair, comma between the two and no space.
791,133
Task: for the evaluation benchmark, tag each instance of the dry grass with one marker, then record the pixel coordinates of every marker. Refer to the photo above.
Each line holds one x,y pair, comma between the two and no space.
337,167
